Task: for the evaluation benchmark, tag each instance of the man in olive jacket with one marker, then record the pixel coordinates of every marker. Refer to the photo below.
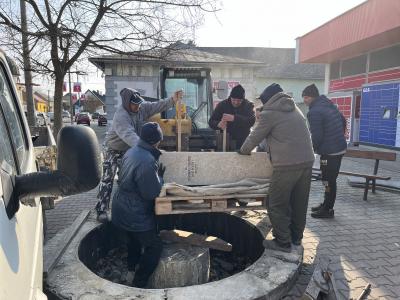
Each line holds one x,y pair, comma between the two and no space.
139,183
291,154
236,115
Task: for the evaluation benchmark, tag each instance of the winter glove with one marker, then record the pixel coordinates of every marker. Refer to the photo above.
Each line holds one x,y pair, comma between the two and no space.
161,170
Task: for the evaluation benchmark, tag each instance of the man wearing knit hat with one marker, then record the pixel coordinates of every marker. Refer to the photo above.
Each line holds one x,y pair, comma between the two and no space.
236,115
290,151
327,126
124,133
139,183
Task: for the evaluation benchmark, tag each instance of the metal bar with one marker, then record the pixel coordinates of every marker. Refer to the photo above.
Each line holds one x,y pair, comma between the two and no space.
366,189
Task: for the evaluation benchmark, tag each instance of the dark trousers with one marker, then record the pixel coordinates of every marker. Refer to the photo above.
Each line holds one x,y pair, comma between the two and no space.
330,166
287,203
144,250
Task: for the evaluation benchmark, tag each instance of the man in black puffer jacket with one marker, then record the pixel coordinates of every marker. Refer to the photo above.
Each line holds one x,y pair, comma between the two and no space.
327,126
236,115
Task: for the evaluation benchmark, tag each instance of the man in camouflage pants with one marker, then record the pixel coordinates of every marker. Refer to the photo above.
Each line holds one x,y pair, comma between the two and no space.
124,133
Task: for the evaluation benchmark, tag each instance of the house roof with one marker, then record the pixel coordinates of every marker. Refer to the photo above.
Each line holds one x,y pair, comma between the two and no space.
277,62
101,98
178,56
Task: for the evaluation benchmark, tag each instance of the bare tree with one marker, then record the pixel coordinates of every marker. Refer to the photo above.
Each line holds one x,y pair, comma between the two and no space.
64,32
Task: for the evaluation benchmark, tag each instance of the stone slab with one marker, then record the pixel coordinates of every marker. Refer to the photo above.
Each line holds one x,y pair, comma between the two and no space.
205,168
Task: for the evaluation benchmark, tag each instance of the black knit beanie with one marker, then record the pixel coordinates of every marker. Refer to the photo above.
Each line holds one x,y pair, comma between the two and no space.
237,92
151,133
311,91
270,91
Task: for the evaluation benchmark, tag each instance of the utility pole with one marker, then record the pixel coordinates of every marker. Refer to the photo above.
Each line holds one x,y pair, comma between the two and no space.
79,93
48,100
70,97
27,67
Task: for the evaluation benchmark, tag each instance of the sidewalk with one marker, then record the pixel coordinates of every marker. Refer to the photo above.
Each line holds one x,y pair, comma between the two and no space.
363,240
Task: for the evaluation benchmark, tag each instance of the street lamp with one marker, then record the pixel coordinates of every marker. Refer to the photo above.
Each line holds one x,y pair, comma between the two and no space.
77,72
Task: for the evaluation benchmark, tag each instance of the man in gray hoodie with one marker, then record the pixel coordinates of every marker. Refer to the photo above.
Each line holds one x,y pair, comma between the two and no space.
124,133
290,150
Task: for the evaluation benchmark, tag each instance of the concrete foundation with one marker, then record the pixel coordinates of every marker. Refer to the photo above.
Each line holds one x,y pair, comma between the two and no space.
205,168
270,276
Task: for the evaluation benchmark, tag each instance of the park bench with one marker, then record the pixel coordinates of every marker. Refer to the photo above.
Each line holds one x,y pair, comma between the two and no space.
370,179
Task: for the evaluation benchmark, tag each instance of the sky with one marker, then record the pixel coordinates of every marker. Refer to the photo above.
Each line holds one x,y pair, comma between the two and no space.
255,23
267,23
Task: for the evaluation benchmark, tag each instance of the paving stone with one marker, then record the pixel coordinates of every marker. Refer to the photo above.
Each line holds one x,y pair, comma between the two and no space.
382,291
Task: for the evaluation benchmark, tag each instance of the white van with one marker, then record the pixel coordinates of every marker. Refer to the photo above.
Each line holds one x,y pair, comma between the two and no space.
21,186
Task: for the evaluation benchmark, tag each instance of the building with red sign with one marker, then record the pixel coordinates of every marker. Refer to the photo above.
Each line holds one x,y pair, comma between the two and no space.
361,51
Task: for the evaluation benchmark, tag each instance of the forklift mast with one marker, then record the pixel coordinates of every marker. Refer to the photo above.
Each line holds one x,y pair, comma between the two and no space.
197,86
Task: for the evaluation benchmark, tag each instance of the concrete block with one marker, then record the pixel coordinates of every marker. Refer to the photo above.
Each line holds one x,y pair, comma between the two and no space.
205,168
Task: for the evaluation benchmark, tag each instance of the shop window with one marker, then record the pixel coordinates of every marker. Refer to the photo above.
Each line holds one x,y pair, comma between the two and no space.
354,66
385,59
334,72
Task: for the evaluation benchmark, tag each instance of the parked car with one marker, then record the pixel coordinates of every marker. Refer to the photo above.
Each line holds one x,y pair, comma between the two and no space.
102,120
83,118
50,115
95,115
88,114
22,185
66,115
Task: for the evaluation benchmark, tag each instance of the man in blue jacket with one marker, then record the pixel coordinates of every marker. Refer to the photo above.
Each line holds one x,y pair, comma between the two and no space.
327,126
124,133
139,183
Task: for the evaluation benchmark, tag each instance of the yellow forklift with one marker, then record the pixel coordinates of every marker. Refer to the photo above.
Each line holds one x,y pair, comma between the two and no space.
188,130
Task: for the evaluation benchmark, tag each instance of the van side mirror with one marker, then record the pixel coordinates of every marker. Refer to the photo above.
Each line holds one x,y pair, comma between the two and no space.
78,168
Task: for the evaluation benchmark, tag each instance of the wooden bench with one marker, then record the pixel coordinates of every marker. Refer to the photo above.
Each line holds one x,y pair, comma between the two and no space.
369,178
196,204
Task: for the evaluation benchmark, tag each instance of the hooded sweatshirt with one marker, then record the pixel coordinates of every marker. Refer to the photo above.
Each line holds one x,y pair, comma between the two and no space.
126,126
285,128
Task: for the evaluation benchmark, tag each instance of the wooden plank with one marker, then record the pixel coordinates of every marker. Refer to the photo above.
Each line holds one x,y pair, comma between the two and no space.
179,126
53,254
231,196
219,205
189,205
365,175
381,155
163,208
195,239
192,210
224,141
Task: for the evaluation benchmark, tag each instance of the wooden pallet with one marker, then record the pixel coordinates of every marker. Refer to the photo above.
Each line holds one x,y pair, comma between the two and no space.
186,205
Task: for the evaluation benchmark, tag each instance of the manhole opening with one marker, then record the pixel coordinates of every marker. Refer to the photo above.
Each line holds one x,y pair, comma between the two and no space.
104,250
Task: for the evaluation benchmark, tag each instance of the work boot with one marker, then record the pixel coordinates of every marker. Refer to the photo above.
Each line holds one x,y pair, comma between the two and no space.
102,217
277,246
317,208
323,213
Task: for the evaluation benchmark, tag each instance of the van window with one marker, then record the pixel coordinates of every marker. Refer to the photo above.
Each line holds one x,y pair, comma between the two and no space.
6,153
12,118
